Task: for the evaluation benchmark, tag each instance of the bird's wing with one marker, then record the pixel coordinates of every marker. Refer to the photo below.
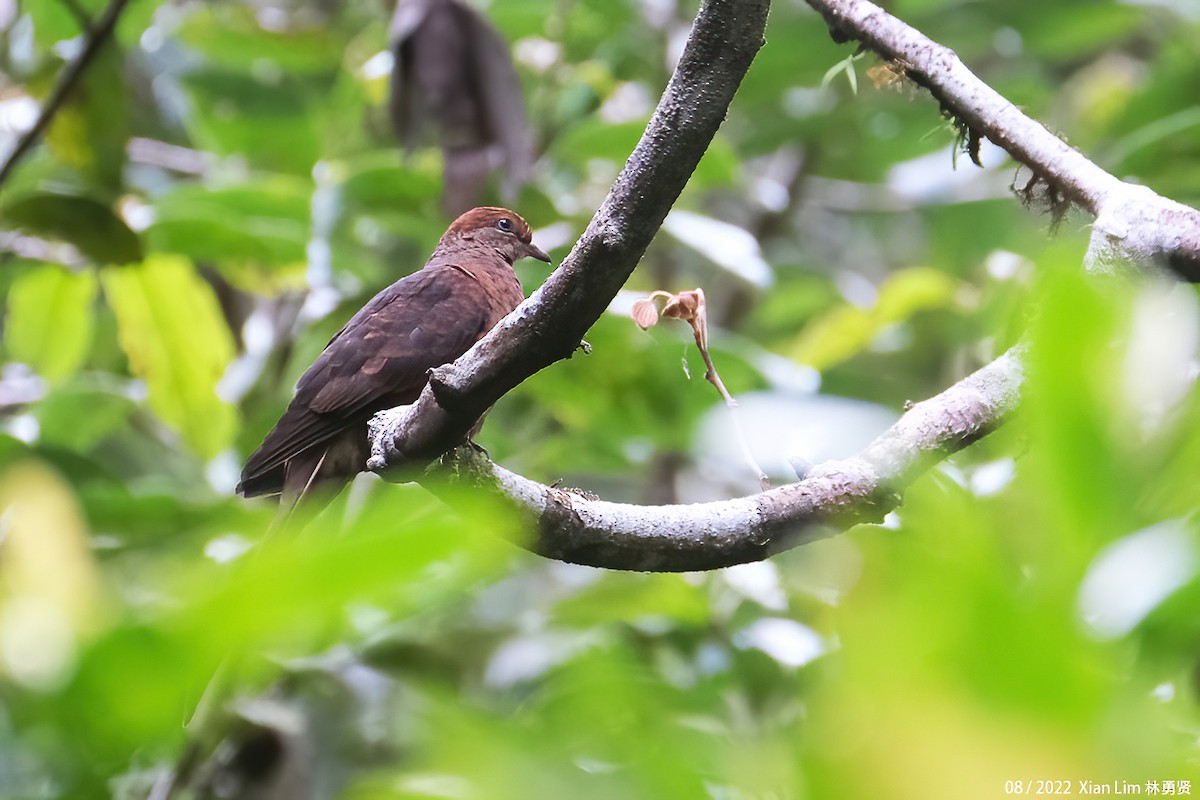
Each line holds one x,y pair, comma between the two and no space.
379,359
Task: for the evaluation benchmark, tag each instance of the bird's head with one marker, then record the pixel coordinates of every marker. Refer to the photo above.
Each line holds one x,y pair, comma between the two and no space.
499,228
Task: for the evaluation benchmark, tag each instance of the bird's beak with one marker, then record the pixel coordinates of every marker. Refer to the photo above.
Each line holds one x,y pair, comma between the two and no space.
533,251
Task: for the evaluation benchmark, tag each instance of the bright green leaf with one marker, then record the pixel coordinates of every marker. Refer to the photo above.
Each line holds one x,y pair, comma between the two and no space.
50,317
171,328
631,597
847,330
54,22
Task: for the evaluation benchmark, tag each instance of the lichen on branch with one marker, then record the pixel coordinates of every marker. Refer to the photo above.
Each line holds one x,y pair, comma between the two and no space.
1134,226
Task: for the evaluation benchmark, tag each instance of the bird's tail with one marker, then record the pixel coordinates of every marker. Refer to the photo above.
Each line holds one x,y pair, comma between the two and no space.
298,486
311,481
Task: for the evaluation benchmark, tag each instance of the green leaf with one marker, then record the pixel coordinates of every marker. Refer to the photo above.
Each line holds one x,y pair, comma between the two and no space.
1089,455
171,328
846,65
230,35
847,330
265,223
89,225
78,418
1077,29
91,128
594,139
630,597
718,166
50,318
270,122
386,180
54,22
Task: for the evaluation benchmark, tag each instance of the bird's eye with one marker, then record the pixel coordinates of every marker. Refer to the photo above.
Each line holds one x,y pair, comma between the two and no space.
505,224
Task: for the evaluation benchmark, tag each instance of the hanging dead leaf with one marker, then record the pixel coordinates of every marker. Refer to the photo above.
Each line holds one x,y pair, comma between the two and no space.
683,306
690,307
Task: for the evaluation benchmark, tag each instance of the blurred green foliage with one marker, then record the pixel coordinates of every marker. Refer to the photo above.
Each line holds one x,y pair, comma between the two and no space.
223,191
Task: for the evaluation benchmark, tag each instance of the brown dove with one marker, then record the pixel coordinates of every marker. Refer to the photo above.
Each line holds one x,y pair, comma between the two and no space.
381,358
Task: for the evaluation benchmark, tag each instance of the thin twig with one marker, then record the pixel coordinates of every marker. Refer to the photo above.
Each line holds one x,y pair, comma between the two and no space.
94,40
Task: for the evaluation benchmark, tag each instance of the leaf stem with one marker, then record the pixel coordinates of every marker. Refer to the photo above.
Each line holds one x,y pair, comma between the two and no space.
712,376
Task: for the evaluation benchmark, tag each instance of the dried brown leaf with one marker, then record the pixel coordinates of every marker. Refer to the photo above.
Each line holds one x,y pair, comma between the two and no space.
645,312
682,306
690,306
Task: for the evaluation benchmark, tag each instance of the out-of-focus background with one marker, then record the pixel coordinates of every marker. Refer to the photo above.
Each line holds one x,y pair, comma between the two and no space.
230,182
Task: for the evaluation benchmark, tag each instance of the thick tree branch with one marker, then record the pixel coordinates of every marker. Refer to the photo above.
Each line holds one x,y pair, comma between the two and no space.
1133,224
833,496
549,325
94,39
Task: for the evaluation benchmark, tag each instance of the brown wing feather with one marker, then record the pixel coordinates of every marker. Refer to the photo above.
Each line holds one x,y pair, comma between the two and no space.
379,359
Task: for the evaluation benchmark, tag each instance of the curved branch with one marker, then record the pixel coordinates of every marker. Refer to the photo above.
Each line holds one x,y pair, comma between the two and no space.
94,39
831,497
550,324
1133,224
